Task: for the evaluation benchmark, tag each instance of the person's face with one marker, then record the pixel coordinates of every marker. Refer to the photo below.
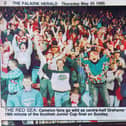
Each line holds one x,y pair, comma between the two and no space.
117,55
47,18
49,56
73,35
21,33
68,23
36,20
112,66
77,49
122,47
23,48
31,21
55,50
1,49
94,56
11,65
65,43
5,46
13,27
60,64
36,33
77,22
60,34
110,37
42,46
74,97
73,55
85,39
118,31
27,83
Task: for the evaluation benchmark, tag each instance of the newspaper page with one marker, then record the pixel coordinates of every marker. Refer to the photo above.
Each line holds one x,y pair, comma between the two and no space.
62,62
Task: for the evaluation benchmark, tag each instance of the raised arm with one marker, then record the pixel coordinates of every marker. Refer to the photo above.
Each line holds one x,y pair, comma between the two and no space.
29,50
14,45
11,75
89,37
30,30
11,49
41,56
65,33
43,28
55,33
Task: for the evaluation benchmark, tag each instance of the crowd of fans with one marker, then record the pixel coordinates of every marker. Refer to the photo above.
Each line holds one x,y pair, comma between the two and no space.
62,57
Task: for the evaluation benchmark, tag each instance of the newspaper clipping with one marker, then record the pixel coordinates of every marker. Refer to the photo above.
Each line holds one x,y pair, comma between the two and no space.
62,61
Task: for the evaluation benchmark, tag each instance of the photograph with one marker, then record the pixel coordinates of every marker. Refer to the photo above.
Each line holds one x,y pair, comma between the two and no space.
66,61
63,56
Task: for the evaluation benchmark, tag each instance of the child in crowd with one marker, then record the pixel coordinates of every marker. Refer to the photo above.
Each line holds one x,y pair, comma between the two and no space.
75,99
29,97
